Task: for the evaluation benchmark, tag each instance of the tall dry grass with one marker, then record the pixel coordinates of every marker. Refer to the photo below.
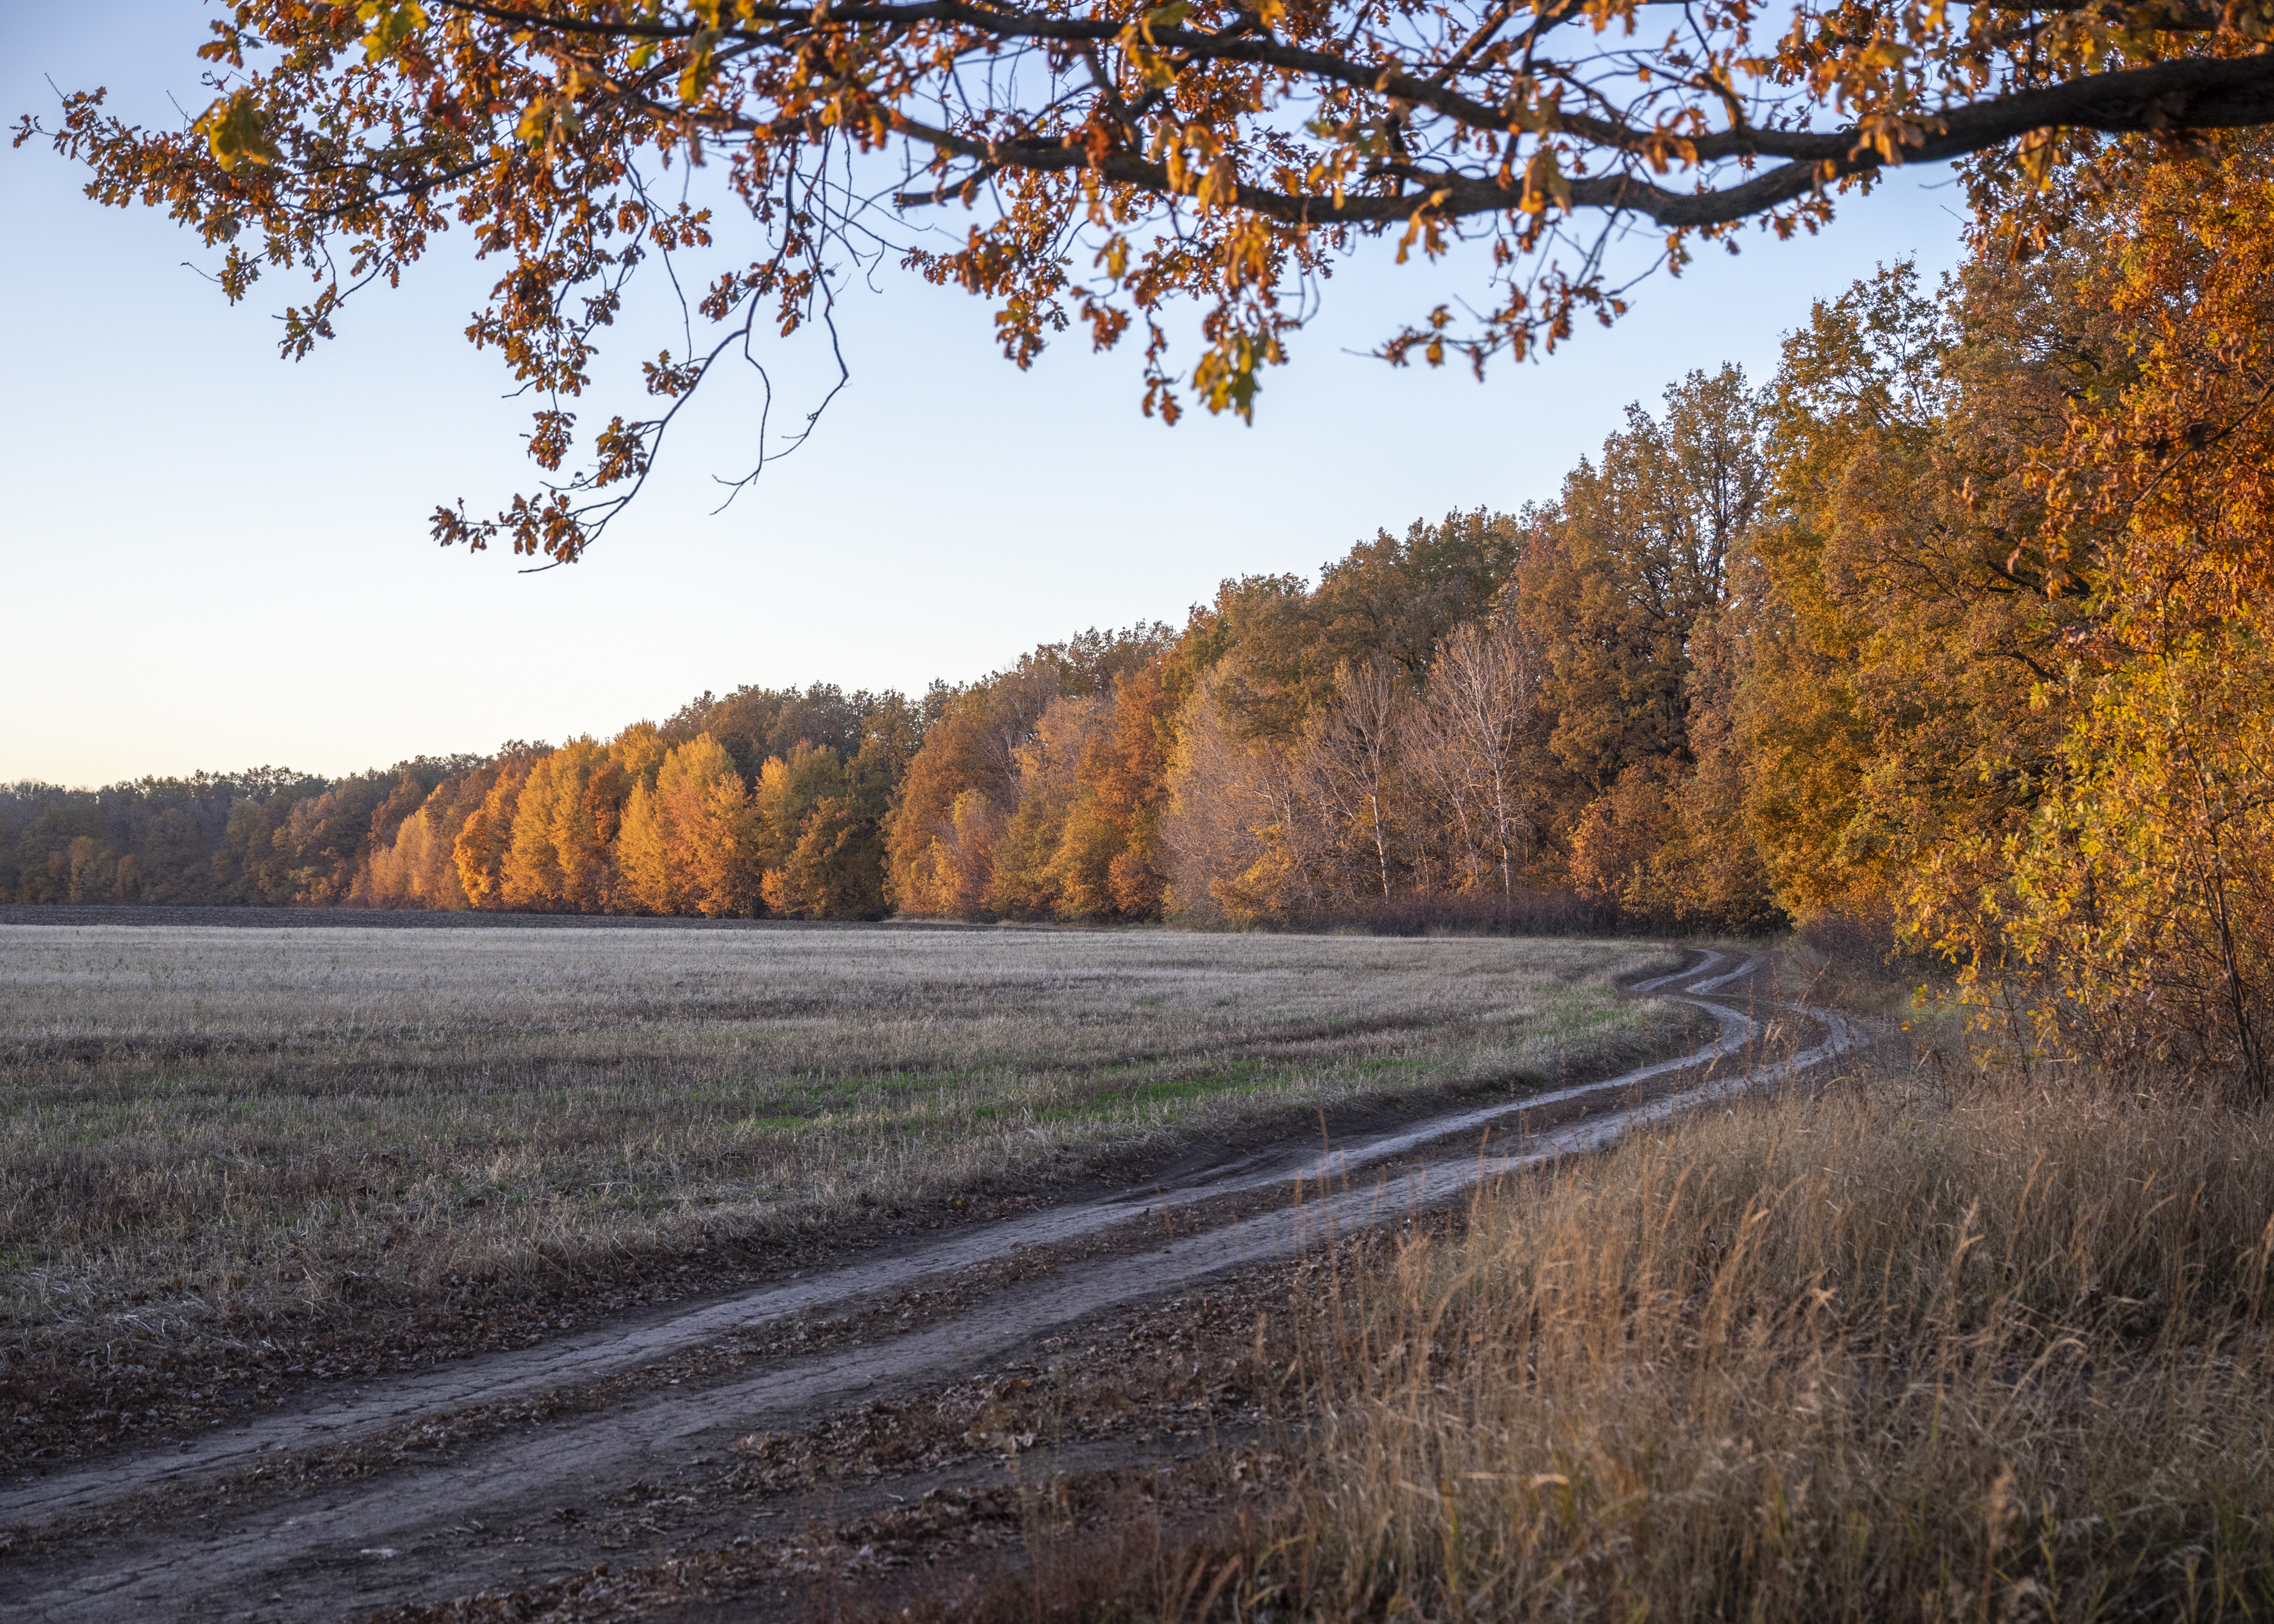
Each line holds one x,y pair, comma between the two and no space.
1879,1353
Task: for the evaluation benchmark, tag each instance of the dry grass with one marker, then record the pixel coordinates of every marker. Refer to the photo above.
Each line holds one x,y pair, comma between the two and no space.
1881,1353
212,1138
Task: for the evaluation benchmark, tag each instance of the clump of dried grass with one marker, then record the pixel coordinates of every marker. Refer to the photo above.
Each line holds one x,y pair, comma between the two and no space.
1875,1353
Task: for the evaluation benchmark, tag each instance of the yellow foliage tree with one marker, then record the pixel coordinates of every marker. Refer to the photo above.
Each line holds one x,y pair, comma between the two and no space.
589,788
714,840
418,868
561,827
484,840
638,751
650,880
528,874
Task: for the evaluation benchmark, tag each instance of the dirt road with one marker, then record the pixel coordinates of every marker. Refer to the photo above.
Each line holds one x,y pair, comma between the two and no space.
121,1539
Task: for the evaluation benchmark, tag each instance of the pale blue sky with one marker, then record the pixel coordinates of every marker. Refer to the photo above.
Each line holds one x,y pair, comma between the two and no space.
215,559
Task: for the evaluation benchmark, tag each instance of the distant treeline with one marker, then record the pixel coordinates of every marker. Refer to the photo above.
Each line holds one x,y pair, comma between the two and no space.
1485,716
1396,735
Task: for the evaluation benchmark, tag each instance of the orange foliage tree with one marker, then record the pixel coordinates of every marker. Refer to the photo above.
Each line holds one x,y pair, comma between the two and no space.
1107,862
940,848
2136,888
485,840
1110,161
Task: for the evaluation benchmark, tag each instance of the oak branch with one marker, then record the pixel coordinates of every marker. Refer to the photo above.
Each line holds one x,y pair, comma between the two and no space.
1096,164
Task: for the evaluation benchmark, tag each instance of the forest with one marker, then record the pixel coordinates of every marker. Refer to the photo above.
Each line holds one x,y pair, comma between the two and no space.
1949,630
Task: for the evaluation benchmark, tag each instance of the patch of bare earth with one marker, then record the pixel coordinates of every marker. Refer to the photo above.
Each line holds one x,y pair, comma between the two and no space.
1127,1439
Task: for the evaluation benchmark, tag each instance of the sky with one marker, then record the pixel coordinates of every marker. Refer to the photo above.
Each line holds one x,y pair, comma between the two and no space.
211,558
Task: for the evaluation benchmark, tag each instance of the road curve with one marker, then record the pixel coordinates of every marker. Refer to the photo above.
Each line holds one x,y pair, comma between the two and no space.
319,1558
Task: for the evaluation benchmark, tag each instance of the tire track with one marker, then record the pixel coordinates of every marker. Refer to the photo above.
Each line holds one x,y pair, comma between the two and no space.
328,1552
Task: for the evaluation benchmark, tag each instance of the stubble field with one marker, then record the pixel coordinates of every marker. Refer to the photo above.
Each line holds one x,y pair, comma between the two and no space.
231,1159
1911,1338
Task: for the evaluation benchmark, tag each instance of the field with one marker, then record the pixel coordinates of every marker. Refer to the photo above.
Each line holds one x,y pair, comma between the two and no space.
2001,1354
1918,1340
234,1158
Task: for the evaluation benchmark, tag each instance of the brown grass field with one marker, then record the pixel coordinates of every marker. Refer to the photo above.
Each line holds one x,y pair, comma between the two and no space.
234,1158
1925,1344
1998,1355
1916,1341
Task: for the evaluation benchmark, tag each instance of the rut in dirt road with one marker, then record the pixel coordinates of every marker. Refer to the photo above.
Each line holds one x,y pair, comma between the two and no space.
337,1552
367,1408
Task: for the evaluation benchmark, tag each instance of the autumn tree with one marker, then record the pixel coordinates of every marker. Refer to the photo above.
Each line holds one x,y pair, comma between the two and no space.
941,841
1635,555
965,783
818,821
836,869
174,858
1108,862
325,837
1897,714
1278,642
484,840
1235,835
1861,384
1627,584
638,752
1255,644
1353,762
651,880
1027,881
1108,163
529,874
557,859
259,866
418,869
414,785
1474,749
528,828
2130,885
690,843
591,787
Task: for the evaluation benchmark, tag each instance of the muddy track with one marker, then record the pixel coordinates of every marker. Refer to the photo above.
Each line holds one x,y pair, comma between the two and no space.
334,1552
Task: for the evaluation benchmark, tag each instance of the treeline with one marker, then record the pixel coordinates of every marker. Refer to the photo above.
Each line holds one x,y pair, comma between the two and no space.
1396,733
692,816
1472,717
1952,626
